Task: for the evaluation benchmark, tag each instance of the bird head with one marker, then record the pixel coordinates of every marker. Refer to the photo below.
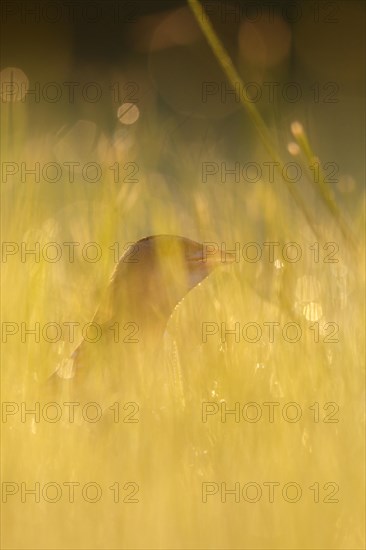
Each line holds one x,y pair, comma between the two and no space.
155,274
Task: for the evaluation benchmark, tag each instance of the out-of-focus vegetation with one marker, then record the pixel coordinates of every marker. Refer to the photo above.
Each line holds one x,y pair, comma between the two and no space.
171,179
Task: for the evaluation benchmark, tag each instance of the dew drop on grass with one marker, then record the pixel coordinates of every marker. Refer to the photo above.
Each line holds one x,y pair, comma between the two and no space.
313,311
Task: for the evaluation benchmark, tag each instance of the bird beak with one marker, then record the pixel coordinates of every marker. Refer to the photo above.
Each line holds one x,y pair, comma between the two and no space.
211,256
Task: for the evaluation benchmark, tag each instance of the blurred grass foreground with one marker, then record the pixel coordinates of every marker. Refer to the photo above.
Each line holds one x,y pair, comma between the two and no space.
246,430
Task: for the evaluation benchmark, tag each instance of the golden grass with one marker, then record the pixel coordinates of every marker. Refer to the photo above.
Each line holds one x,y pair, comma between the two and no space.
171,454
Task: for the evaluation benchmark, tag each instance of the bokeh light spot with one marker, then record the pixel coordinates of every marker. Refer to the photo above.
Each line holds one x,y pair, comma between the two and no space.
128,113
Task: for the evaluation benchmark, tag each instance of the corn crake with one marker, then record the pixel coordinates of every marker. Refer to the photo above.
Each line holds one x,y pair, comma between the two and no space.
150,280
